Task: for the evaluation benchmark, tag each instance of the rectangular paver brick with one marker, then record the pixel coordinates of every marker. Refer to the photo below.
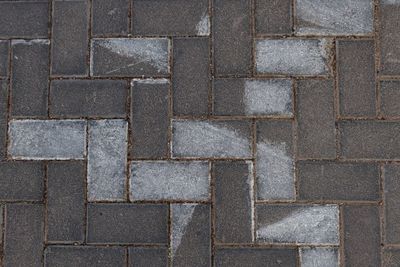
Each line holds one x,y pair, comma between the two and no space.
299,224
316,133
356,71
148,256
110,17
162,18
70,37
170,180
232,37
24,235
191,76
218,139
190,235
129,57
4,57
3,117
107,157
391,174
149,118
390,98
88,98
29,78
66,201
319,256
329,180
234,202
273,16
127,223
47,139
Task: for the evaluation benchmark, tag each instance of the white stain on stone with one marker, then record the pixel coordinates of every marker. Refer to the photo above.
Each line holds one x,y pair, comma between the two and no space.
203,27
181,216
208,139
264,97
107,156
309,225
150,81
275,172
390,2
292,56
327,17
47,139
319,257
170,180
30,42
250,182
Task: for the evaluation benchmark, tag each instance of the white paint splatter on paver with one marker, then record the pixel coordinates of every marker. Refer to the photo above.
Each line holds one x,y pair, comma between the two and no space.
203,27
292,56
181,216
107,156
327,17
171,180
308,225
30,42
150,81
263,97
319,257
47,139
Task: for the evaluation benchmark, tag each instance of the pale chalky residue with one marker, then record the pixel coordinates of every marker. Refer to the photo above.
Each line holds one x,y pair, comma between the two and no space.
150,81
319,257
181,216
203,26
30,42
390,2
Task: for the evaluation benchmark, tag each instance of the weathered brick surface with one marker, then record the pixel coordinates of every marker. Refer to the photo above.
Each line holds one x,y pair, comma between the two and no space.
110,18
3,117
390,98
391,202
319,256
148,256
273,17
4,57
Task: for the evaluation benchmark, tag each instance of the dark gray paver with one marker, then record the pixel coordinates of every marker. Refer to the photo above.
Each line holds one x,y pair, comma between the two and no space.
70,37
3,117
361,236
391,257
88,98
191,76
233,201
273,17
232,37
148,256
391,174
24,235
29,78
66,201
127,223
356,71
390,98
84,256
110,18
329,180
4,57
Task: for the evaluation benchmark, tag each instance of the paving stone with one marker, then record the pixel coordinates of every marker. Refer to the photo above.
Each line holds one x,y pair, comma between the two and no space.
391,186
391,257
24,19
85,256
292,56
70,37
330,180
169,180
389,37
149,118
4,57
325,17
21,180
29,78
369,139
129,57
191,76
191,235
318,257
299,224
107,157
257,257
217,139
3,118
24,235
127,223
273,17
148,256
88,98
232,37
356,72
234,203
66,201
390,98
361,236
110,17
253,97
274,160
161,17
316,136
47,139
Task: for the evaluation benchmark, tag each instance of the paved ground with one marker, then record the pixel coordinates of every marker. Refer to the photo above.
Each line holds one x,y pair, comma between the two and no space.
200,133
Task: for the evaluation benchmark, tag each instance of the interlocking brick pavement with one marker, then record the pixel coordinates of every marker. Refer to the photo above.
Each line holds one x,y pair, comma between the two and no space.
199,133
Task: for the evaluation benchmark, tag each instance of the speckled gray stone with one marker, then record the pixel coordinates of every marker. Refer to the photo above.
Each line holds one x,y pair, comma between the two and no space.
47,139
171,180
292,56
319,257
327,17
107,157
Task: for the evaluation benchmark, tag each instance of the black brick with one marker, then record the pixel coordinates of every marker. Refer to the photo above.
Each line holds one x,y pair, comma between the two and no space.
390,98
4,57
273,16
3,117
147,256
391,173
110,18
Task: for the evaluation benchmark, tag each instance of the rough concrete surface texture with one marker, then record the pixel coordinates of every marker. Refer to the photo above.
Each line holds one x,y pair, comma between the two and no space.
199,133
